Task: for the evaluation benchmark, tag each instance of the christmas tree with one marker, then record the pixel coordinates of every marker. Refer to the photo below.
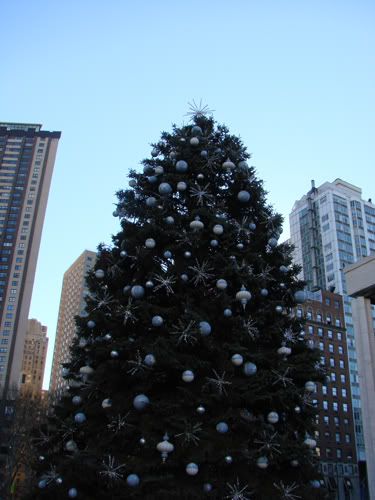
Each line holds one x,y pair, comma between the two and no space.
190,376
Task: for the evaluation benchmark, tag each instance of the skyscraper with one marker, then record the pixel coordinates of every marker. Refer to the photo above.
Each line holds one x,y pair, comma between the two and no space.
71,304
27,157
34,358
332,226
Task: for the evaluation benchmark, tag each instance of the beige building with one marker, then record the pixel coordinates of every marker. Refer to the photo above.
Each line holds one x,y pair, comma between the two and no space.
360,279
71,304
27,157
34,358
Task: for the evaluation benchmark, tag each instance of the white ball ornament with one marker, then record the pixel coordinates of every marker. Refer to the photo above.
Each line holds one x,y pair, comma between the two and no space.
243,196
76,400
149,360
228,313
187,254
272,242
152,179
72,493
154,152
196,131
250,369
141,402
151,201
218,229
80,418
192,469
157,321
228,459
201,410
132,183
294,463
214,243
237,359
262,462
164,188
106,403
228,165
221,284
181,166
222,427
196,225
167,254
99,274
133,480
169,220
279,309
204,154
137,291
150,243
297,409
91,324
114,354
204,328
123,254
264,292
184,277
181,186
284,351
242,165
149,284
194,141
310,386
71,445
300,296
188,376
273,417
283,269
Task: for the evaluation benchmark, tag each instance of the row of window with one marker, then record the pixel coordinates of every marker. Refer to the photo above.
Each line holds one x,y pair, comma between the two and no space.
318,317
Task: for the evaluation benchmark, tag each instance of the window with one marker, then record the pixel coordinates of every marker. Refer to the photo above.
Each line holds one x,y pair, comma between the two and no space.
330,348
321,346
337,437
341,350
324,389
339,336
345,407
342,363
337,421
347,438
337,322
343,378
326,419
309,315
343,393
311,329
299,313
319,317
328,301
328,452
320,332
325,405
334,391
328,319
335,406
338,453
332,362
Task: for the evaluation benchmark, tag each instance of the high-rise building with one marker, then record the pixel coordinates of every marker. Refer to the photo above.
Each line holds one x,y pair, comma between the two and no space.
72,303
332,226
34,358
335,436
27,157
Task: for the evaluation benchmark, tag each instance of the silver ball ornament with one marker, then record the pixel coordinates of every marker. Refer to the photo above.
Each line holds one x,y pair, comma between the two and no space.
91,324
80,418
272,242
252,226
204,328
204,154
192,469
149,360
106,403
76,400
164,188
294,463
237,359
228,313
149,284
123,254
201,410
218,229
71,445
273,417
151,201
194,141
72,493
142,441
262,462
184,277
200,177
141,402
157,321
310,386
181,166
167,254
114,354
159,170
300,296
99,274
214,243
196,130
279,309
181,186
42,484
228,165
132,183
187,254
152,180
283,269
264,292
137,291
133,480
154,152
207,487
188,376
169,220
297,409
242,165
250,368
150,243
222,427
221,284
59,480
228,459
243,196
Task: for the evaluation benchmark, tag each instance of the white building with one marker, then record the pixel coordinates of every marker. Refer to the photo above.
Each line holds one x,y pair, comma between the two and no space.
331,227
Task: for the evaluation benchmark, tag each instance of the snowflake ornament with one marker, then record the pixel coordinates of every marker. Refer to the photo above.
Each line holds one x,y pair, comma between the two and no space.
238,492
250,328
186,333
119,423
201,194
268,444
219,383
165,282
127,312
281,378
111,471
198,110
190,434
286,490
201,273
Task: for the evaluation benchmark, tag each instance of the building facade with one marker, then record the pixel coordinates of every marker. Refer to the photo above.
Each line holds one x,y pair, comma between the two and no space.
72,303
332,227
336,445
27,157
361,286
34,358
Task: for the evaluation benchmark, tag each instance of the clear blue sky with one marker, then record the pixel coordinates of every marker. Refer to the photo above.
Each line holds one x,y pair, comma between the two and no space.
294,78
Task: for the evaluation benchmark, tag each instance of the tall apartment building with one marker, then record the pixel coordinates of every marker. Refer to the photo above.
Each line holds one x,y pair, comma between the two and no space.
27,157
71,304
325,328
34,358
331,227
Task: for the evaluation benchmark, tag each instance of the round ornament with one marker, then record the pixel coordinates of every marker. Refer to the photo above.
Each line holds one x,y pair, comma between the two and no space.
157,321
237,359
154,152
164,188
218,229
204,154
279,309
132,183
204,328
151,201
201,410
99,274
149,360
106,403
181,166
114,354
165,447
148,170
152,179
273,417
71,445
123,254
167,254
242,165
76,400
252,226
159,170
182,139
187,254
150,243
249,369
315,483
294,463
240,246
300,296
207,487
142,441
132,480
262,462
196,225
65,372
141,402
149,284
107,337
243,196
228,459
214,243
194,141
221,284
310,386
200,177
272,242
86,370
79,418
173,155
196,131
91,324
284,350
72,493
228,313
181,186
264,292
42,484
228,165
222,427
310,443
169,220
283,269
137,291
297,409
192,469
187,376
184,277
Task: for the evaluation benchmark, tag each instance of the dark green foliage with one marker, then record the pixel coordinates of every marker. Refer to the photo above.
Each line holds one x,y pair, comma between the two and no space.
255,330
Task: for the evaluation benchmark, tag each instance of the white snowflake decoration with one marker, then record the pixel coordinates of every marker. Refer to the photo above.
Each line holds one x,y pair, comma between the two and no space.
119,423
282,378
219,383
111,471
185,332
268,444
165,282
198,110
238,492
201,194
190,434
201,272
286,490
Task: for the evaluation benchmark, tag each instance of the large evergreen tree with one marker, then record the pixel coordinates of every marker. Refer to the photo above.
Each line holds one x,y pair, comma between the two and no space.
190,377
